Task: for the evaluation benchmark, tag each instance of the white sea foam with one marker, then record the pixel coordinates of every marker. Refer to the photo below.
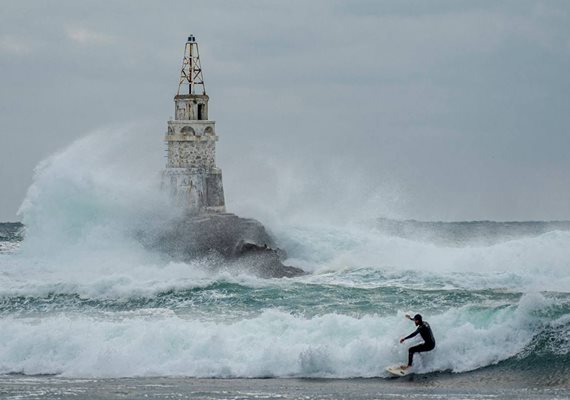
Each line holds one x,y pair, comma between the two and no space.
273,343
527,264
8,247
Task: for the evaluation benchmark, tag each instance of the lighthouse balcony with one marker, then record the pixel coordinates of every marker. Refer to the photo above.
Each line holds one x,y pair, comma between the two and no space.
191,128
190,138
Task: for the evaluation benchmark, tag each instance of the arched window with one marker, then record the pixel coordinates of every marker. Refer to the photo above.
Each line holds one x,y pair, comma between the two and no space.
208,130
187,130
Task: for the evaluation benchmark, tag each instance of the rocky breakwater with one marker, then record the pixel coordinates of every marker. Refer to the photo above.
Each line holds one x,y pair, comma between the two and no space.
234,243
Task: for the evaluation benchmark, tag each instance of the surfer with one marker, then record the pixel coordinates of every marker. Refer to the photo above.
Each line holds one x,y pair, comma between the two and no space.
424,330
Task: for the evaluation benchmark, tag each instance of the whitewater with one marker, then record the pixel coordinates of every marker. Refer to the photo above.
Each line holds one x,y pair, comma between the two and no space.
81,297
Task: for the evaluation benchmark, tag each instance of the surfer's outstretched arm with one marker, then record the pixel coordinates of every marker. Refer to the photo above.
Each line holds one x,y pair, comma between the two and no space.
411,335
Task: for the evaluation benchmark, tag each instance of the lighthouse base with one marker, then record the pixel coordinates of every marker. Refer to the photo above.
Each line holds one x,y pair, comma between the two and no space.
195,189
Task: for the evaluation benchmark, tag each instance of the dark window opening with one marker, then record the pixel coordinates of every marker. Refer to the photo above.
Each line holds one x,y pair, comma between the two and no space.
200,111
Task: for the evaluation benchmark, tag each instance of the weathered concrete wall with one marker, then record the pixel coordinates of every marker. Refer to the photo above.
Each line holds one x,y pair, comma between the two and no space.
191,154
215,191
191,107
196,189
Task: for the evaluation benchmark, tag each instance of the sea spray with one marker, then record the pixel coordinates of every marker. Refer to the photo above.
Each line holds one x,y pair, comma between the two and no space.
92,192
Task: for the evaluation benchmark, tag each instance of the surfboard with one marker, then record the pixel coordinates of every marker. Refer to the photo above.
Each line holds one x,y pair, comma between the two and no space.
396,370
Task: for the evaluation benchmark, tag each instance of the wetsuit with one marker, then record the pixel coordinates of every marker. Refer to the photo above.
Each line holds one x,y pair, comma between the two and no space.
429,342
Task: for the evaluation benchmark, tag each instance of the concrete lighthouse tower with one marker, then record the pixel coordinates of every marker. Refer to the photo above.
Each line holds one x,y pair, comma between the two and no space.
191,175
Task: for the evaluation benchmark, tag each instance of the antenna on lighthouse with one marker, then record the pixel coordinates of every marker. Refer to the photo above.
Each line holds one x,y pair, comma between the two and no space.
191,71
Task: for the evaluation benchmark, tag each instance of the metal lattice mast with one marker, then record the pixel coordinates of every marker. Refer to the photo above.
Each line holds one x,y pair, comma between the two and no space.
191,71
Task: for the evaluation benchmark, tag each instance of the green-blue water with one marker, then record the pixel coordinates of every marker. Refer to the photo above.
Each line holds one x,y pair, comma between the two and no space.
79,313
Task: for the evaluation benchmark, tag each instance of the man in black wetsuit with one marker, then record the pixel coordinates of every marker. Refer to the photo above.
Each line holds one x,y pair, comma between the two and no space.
425,331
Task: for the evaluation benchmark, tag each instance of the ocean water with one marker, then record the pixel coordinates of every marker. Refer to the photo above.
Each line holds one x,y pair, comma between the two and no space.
81,300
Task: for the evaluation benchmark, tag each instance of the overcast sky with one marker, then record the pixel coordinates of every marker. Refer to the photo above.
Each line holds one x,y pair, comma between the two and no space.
439,110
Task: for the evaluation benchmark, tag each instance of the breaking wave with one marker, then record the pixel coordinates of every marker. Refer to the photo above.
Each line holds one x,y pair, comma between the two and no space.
274,343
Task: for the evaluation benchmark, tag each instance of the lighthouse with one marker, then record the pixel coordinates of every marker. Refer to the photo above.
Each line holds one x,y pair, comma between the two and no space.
191,174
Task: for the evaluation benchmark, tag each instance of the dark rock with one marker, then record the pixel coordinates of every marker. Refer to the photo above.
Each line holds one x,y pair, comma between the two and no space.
241,243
